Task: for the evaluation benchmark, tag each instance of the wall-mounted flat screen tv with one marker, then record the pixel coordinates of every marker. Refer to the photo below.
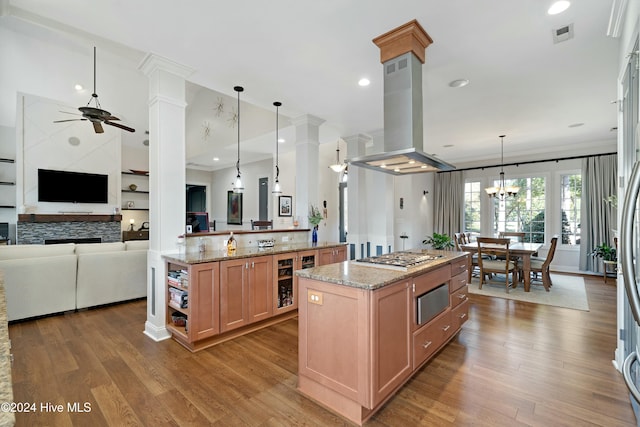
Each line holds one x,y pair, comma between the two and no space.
72,187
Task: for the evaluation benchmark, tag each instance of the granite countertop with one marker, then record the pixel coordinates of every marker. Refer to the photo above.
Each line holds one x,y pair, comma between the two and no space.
356,275
221,255
6,387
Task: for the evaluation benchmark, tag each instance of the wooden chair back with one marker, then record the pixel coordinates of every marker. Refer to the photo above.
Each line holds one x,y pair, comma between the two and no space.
516,236
551,253
494,249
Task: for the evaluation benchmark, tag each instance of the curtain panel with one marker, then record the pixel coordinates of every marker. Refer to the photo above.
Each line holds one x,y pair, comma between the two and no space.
598,218
448,203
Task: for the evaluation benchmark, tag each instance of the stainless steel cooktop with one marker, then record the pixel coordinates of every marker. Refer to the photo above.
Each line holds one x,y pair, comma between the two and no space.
402,260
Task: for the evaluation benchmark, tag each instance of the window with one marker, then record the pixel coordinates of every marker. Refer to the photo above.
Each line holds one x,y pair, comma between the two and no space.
525,212
472,194
571,189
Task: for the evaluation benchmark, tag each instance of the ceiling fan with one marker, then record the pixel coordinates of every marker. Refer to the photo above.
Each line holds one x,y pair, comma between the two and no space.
96,115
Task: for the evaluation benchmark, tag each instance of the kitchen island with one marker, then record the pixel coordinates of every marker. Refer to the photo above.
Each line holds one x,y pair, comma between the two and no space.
364,330
213,296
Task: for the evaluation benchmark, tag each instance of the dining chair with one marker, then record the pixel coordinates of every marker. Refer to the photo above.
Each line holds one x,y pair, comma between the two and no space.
541,265
514,236
504,265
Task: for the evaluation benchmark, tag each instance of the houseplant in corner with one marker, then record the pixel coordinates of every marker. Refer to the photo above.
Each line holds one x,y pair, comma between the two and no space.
314,218
606,252
439,241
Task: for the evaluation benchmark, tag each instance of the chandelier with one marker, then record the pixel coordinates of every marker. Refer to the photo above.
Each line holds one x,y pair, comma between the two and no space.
503,190
338,166
237,186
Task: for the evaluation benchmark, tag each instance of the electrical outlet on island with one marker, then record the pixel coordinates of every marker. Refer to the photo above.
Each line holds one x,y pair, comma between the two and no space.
285,238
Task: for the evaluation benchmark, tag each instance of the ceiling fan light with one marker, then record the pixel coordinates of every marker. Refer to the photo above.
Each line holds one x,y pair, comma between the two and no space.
338,167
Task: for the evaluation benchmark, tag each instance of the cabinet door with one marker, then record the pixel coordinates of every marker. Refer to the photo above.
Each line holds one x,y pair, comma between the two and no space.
325,256
340,254
391,339
204,320
260,288
234,306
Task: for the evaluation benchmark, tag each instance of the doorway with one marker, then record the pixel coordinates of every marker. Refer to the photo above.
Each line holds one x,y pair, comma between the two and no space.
263,199
196,198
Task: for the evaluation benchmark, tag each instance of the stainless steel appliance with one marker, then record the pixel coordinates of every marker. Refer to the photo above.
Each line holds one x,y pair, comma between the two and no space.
432,303
402,260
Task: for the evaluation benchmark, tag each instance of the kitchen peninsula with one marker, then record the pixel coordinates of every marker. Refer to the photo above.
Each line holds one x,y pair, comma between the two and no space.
363,330
213,296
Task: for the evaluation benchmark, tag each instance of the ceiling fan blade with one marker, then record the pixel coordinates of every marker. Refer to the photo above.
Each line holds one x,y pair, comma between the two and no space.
68,112
69,120
97,127
111,118
118,125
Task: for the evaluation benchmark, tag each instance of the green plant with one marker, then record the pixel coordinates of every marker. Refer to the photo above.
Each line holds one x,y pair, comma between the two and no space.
606,252
439,241
315,217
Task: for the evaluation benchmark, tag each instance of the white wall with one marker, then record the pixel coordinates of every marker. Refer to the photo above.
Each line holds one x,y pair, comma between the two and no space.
8,174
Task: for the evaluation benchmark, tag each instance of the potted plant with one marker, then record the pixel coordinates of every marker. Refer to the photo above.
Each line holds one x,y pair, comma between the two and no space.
606,252
315,217
439,241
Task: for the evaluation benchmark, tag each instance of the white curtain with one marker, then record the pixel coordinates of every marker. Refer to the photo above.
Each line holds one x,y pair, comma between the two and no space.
448,206
597,218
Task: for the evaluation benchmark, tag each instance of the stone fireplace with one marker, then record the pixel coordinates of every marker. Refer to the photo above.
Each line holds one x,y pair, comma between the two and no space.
37,229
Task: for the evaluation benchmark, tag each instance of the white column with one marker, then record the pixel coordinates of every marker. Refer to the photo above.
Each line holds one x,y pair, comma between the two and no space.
357,189
167,178
307,151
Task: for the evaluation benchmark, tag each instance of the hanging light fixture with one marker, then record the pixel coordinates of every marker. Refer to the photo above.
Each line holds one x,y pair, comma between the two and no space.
237,186
338,167
276,185
502,191
345,174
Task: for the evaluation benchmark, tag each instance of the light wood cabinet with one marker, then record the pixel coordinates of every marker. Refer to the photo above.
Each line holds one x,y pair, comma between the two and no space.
332,255
245,291
192,301
285,282
356,347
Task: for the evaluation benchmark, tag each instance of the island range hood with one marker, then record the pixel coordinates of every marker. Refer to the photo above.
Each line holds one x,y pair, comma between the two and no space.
402,53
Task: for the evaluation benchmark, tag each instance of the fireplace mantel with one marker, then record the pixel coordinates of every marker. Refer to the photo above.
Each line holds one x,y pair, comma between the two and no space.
34,229
71,217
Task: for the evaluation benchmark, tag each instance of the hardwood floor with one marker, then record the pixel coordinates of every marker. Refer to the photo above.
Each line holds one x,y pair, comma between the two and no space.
513,364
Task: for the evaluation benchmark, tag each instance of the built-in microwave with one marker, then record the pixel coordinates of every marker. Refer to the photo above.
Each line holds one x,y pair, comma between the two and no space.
432,303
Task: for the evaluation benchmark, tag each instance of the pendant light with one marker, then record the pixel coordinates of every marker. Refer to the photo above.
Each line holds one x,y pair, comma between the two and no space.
338,167
237,186
276,185
502,191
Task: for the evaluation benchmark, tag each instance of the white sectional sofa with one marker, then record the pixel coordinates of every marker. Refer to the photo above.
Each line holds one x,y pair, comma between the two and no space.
46,279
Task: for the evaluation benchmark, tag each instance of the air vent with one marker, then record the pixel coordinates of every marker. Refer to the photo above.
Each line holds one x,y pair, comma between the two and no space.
563,34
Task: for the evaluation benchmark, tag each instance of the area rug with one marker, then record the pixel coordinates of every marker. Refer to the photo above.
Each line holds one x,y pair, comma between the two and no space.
567,291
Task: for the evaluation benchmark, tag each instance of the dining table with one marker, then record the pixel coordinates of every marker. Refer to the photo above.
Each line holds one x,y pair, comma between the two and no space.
523,250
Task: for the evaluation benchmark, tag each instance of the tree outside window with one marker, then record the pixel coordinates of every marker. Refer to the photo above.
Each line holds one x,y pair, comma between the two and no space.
525,212
570,208
472,194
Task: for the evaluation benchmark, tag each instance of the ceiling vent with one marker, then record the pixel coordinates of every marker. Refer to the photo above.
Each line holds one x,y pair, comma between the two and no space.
563,34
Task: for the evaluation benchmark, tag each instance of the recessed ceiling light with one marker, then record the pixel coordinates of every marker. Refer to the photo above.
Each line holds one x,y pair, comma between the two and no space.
215,159
364,82
281,140
558,7
576,125
78,87
459,83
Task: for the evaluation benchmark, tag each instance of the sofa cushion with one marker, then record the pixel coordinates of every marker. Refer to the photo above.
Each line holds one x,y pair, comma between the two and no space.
137,245
35,251
89,248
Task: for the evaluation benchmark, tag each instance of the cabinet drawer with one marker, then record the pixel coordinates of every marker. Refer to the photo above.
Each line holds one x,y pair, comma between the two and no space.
459,266
431,280
459,315
458,297
430,337
458,282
